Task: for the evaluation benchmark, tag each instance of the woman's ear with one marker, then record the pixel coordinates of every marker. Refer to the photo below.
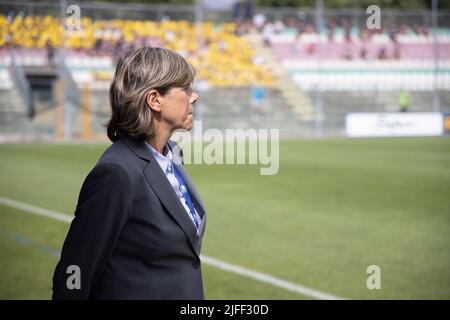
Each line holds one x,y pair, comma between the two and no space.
153,100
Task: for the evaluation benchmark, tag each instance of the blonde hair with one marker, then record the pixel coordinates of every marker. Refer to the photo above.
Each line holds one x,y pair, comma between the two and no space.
138,71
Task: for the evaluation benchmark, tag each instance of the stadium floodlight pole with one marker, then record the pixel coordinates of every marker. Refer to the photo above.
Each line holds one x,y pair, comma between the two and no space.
319,15
198,114
434,22
198,11
318,88
66,109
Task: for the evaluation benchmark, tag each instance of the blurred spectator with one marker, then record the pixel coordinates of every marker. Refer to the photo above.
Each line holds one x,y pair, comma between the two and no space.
330,35
50,53
347,51
301,25
404,101
311,49
346,25
119,48
278,26
236,12
259,20
268,31
248,10
243,12
98,46
257,96
363,53
382,54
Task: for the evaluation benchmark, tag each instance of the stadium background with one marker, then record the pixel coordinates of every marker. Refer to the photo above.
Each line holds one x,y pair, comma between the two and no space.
337,205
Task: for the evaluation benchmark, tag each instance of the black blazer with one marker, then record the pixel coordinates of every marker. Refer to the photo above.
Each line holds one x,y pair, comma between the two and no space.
131,236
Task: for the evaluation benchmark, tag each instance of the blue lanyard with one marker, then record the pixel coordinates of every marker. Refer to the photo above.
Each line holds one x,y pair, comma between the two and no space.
186,195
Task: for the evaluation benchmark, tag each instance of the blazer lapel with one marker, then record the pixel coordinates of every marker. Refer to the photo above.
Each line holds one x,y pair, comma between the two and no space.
164,191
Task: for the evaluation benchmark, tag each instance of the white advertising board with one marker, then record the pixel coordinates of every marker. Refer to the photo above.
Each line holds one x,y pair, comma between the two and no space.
394,124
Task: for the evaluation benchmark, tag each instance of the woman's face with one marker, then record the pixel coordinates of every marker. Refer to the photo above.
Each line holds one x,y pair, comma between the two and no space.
177,107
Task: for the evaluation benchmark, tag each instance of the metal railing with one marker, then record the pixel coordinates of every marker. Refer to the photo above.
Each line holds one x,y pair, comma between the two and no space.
22,84
71,95
139,11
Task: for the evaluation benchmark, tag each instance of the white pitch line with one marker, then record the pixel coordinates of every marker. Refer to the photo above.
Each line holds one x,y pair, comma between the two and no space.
262,277
277,282
36,210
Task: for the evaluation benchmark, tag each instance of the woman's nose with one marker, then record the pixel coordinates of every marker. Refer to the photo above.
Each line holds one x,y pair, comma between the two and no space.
194,97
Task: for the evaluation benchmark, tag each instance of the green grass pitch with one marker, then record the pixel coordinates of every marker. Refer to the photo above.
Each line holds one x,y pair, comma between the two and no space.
335,207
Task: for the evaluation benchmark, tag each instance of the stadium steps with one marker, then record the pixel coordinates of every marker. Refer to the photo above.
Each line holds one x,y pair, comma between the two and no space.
230,108
14,121
12,107
44,115
299,101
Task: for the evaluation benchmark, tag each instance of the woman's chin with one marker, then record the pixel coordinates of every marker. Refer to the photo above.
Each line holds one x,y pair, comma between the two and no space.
188,126
185,126
188,122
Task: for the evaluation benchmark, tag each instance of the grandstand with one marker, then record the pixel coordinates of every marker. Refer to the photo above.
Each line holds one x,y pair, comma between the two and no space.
219,56
313,76
354,60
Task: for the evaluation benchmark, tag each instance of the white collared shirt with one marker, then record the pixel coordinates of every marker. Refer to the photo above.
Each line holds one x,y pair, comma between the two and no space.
166,164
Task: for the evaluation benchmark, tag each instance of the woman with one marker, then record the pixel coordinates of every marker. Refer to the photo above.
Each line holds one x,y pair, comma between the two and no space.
139,221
